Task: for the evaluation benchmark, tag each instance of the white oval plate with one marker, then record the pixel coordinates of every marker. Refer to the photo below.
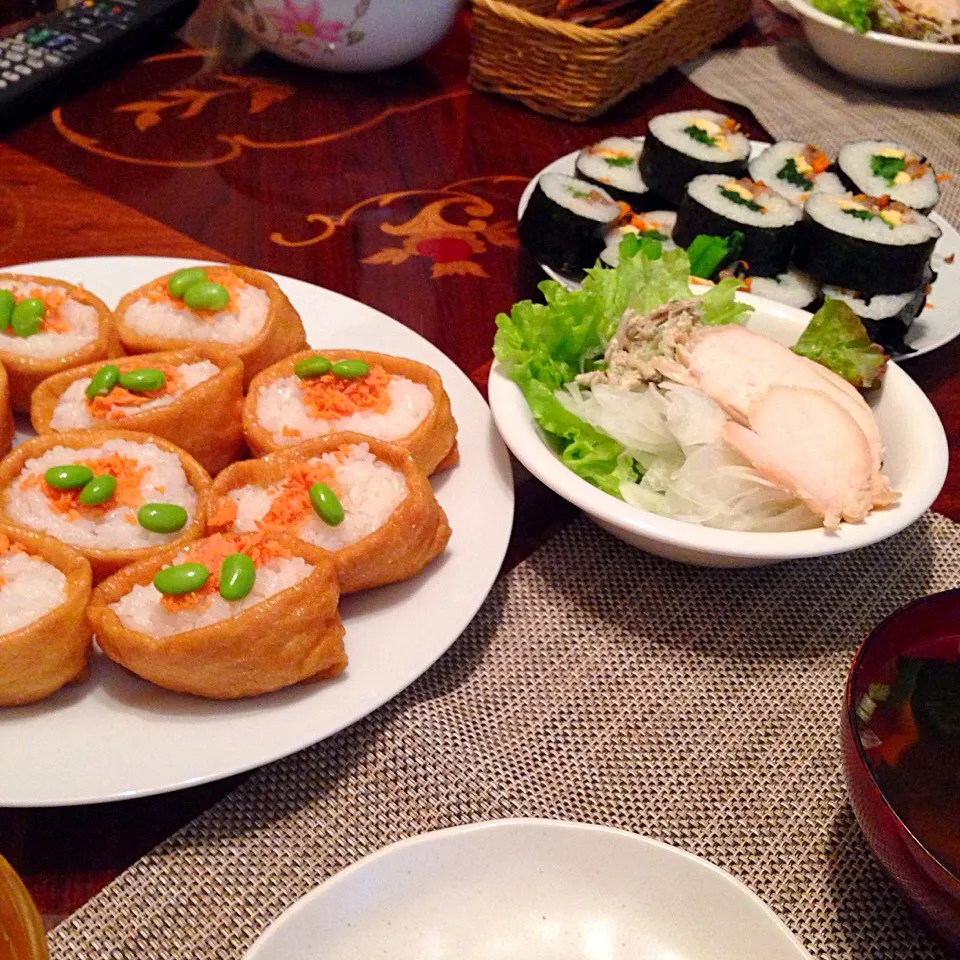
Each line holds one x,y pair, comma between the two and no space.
522,889
916,462
114,736
936,325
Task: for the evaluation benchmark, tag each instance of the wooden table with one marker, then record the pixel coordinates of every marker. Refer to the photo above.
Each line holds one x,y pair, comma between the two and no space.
399,190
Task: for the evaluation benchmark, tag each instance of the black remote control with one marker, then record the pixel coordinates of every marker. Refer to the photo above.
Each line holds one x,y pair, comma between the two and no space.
55,55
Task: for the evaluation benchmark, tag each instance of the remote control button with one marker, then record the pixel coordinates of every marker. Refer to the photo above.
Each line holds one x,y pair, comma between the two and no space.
53,59
14,57
34,64
3,84
10,75
92,37
5,64
23,69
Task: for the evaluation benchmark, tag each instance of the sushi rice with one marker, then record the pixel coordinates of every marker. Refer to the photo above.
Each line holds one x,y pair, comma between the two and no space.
114,525
282,409
368,489
914,185
78,320
160,315
143,610
73,409
29,589
795,170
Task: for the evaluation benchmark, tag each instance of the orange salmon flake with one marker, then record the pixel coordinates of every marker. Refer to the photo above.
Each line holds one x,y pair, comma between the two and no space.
113,406
259,547
292,502
53,319
129,475
331,397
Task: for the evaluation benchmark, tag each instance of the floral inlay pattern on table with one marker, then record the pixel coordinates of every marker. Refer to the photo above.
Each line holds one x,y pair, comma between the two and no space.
450,246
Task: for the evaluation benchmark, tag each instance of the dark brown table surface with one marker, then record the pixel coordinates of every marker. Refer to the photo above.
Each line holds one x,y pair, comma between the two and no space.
398,189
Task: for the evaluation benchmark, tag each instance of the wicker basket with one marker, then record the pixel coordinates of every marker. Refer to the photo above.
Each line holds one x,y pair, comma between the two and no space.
577,73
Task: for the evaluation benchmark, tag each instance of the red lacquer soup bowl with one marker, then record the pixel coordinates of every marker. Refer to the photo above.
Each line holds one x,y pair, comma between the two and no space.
928,628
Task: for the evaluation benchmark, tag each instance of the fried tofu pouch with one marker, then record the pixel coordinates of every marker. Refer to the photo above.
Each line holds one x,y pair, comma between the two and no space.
205,420
107,561
432,444
25,373
6,414
39,658
414,533
292,636
282,333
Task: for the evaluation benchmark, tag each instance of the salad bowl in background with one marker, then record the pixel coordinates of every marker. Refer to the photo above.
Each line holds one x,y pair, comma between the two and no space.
915,462
931,624
875,58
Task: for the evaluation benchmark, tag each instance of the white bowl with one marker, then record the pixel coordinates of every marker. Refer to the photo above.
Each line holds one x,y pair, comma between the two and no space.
345,35
519,889
915,461
875,58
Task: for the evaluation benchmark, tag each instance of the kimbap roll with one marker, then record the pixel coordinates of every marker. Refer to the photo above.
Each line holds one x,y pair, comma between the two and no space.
364,500
793,288
873,245
795,170
191,397
46,326
115,495
224,617
656,225
884,168
388,398
243,311
562,224
612,165
44,635
887,317
681,146
717,205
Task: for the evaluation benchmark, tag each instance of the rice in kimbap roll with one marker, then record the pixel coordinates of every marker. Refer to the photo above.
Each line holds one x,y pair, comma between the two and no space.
795,170
656,225
793,288
224,617
681,146
885,168
717,206
873,245
191,397
612,165
563,223
44,635
115,495
388,398
364,500
242,310
46,326
887,317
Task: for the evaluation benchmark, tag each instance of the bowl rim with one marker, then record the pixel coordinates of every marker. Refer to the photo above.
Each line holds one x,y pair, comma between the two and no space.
518,431
806,9
945,876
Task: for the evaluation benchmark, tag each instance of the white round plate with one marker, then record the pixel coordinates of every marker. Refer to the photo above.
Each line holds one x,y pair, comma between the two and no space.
936,325
114,736
915,460
517,889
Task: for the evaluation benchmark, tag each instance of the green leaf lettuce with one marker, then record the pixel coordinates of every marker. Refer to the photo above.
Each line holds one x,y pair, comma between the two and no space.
855,12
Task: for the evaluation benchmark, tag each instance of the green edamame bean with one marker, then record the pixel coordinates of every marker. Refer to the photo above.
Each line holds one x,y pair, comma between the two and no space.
350,369
325,502
181,578
311,367
207,295
68,476
143,379
7,302
162,517
182,279
237,576
100,488
28,316
103,381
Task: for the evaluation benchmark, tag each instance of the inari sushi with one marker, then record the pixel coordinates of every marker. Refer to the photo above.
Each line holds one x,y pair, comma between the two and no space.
364,500
115,495
191,397
44,635
242,310
223,617
388,398
46,326
6,414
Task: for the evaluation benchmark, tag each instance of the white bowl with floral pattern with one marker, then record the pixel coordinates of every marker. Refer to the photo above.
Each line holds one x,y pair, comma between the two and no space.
345,35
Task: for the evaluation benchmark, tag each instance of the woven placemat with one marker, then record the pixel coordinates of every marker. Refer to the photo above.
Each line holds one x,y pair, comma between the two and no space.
699,707
796,96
